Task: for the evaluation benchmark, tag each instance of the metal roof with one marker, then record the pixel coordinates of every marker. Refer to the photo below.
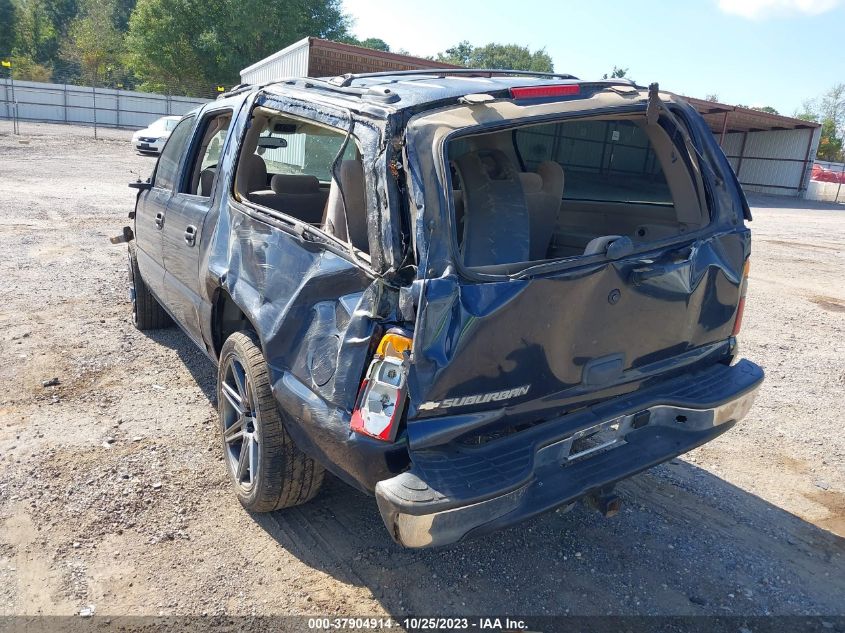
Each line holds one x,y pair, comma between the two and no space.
724,118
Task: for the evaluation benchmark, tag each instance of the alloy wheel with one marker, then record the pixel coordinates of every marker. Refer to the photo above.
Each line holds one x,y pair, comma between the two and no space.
240,425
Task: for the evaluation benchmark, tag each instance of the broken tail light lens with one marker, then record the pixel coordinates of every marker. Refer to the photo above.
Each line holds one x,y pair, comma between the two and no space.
740,308
541,92
384,390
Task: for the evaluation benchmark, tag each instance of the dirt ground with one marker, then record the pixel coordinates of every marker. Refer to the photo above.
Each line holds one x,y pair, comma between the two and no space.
113,494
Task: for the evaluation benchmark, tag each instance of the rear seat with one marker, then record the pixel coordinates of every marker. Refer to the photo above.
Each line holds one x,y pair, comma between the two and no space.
299,196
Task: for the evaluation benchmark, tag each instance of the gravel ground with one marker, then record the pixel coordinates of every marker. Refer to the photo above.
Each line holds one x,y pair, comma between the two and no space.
113,494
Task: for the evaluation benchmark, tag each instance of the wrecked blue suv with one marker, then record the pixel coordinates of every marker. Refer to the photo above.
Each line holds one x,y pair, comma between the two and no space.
477,295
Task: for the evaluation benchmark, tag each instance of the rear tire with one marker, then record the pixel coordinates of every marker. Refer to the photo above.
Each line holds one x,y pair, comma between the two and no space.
147,313
268,470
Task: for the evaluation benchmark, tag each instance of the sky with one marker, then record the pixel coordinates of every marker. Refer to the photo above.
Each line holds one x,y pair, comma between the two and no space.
751,52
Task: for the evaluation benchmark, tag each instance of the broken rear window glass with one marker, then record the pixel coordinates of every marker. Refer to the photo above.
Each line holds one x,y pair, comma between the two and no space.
568,189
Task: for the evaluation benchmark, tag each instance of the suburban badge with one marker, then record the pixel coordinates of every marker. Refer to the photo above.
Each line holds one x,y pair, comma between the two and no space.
481,398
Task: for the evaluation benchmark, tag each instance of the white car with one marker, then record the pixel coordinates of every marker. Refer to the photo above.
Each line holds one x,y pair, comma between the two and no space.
152,139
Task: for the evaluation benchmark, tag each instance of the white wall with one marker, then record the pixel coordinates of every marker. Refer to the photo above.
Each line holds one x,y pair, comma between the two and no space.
755,170
288,62
64,103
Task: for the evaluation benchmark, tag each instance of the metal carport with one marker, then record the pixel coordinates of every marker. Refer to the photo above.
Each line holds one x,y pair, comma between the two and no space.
770,153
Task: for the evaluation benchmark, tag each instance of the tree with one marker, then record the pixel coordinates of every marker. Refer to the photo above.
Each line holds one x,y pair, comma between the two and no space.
192,45
829,110
713,97
26,69
121,14
374,43
35,37
8,21
807,111
832,108
94,42
459,55
768,109
617,73
830,142
504,56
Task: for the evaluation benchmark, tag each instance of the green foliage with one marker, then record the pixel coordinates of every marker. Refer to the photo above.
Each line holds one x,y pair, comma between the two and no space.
829,110
121,14
503,56
185,46
830,143
617,73
713,97
8,22
768,109
94,42
191,44
807,112
26,69
36,38
374,43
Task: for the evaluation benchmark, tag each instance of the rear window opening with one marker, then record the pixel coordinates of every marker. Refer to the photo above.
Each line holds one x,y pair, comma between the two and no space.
569,189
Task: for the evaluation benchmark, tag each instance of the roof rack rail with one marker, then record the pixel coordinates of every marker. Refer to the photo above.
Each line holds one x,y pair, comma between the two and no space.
344,81
234,90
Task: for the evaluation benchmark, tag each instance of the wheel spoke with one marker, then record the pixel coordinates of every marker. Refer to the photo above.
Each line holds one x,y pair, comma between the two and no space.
243,459
234,398
239,375
235,432
253,458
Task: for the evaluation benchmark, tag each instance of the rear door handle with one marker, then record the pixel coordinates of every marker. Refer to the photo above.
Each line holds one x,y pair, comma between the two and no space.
160,220
191,235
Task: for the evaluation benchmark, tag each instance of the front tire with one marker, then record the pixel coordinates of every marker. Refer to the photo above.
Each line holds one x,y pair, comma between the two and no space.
268,470
147,313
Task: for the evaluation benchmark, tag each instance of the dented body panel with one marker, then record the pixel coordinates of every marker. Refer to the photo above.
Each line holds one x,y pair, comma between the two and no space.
494,356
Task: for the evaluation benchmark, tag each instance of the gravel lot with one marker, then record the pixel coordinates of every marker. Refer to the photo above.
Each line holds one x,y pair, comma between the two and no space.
113,495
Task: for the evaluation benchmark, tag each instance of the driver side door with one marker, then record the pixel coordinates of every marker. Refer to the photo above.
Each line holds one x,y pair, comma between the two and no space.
151,208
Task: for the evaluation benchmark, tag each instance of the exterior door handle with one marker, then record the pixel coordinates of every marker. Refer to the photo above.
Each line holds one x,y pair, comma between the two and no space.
160,220
191,235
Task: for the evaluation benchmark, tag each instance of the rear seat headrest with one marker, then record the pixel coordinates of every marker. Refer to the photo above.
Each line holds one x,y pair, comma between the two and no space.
531,182
286,183
551,175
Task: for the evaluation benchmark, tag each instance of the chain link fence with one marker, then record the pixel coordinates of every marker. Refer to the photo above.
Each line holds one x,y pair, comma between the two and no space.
96,104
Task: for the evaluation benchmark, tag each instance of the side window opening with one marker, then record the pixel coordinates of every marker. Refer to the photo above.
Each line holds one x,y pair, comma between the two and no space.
567,189
286,165
167,168
206,155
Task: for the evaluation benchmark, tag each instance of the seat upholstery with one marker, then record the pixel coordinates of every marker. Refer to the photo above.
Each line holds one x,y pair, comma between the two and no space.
543,192
496,219
350,226
206,181
252,174
296,195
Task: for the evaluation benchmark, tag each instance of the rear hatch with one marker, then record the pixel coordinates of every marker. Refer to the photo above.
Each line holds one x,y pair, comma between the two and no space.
529,308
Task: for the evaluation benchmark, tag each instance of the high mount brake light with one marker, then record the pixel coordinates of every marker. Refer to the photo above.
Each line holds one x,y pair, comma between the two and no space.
384,390
740,308
540,92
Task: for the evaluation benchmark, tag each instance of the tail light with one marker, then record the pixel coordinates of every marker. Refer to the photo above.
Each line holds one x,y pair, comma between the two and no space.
740,308
384,390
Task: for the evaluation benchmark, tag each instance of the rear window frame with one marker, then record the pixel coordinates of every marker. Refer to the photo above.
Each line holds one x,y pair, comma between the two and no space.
525,270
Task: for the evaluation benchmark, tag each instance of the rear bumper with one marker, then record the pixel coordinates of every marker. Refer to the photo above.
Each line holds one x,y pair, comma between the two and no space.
459,491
